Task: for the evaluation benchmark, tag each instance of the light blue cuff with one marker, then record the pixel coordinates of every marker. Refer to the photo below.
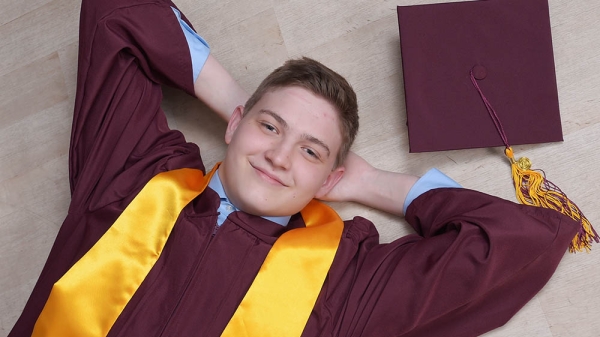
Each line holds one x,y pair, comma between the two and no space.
434,178
199,49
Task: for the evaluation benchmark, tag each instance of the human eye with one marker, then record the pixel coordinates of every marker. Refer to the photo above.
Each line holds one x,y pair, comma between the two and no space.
268,127
311,153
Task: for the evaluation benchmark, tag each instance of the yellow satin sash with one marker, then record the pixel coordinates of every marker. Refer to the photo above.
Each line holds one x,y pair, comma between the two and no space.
88,299
283,294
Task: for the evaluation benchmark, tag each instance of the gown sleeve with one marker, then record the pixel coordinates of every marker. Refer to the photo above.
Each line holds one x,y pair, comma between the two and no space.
474,262
120,137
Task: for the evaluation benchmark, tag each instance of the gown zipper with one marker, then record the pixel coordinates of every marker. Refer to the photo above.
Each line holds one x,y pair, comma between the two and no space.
189,280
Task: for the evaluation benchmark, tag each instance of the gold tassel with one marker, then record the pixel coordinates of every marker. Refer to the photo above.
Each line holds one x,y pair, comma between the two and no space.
532,188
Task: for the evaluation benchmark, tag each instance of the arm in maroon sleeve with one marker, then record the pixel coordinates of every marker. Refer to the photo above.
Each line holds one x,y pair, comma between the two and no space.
120,137
475,261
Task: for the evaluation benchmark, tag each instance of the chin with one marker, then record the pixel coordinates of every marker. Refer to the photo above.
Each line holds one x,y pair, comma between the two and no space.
266,200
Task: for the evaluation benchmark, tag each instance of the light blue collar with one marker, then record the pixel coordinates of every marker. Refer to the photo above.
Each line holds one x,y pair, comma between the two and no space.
216,184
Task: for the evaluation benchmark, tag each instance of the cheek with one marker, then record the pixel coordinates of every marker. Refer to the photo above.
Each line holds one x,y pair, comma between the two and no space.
247,141
311,178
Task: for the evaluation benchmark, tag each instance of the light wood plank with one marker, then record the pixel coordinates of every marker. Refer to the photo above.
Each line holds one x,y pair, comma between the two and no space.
48,133
250,49
38,33
34,87
308,24
24,245
14,9
43,191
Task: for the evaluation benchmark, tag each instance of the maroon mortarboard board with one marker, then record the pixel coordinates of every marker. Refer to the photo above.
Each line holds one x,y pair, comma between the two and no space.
509,45
481,74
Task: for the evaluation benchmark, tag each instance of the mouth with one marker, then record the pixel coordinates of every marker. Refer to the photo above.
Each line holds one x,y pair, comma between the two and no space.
269,177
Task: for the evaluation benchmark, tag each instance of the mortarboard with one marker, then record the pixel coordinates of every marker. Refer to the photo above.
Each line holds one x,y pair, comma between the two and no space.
510,44
481,74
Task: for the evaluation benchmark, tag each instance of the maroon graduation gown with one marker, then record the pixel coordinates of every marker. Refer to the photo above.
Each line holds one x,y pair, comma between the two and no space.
474,261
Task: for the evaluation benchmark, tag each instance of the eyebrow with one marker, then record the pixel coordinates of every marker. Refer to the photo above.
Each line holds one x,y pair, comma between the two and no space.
306,136
317,141
276,116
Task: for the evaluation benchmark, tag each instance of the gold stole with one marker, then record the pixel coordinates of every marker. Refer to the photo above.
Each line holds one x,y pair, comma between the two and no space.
89,298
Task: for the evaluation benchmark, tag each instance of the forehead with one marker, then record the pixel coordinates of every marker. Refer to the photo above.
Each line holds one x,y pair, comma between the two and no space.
298,103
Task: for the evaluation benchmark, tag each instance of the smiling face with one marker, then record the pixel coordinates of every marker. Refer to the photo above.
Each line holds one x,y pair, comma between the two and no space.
282,153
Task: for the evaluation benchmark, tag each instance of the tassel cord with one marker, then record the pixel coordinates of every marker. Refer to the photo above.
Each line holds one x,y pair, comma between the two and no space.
532,188
491,111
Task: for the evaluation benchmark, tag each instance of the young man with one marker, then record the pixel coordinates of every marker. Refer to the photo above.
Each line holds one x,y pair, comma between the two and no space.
475,260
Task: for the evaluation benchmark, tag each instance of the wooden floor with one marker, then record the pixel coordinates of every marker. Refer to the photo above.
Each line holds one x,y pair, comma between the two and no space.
358,38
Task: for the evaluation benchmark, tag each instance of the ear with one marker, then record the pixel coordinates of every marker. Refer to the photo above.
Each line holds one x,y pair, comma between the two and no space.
234,122
332,179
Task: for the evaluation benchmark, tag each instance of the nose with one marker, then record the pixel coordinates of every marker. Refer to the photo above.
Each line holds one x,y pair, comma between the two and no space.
279,155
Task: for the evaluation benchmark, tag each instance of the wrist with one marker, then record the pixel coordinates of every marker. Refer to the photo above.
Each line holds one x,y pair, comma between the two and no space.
386,190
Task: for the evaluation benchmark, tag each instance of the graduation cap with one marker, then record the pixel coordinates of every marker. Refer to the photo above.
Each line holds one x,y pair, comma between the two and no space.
481,74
